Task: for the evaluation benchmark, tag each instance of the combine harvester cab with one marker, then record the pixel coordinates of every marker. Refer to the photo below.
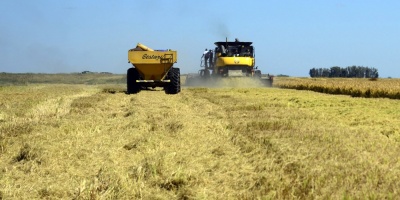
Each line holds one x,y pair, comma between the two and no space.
230,60
152,68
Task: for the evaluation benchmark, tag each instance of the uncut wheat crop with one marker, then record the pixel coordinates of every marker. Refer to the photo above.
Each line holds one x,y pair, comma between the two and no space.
356,87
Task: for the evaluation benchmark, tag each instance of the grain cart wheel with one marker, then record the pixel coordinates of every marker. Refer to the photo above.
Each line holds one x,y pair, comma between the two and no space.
132,86
174,86
179,80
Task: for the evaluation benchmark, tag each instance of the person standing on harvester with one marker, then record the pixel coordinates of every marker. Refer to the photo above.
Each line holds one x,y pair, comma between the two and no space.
211,56
205,56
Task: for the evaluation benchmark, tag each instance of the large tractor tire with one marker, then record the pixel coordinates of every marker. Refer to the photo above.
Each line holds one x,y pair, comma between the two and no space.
174,86
268,82
133,87
257,73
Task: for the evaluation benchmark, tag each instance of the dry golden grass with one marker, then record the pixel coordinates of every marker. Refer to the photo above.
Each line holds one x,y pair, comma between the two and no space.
355,87
75,78
96,142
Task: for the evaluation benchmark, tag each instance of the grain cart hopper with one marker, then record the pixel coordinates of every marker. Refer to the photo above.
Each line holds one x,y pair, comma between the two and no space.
230,59
152,68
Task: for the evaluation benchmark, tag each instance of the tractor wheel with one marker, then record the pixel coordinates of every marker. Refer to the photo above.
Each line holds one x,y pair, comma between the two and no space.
268,82
257,73
179,81
174,86
132,86
188,81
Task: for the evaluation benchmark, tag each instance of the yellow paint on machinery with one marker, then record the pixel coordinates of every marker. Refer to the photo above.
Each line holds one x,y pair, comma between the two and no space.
235,57
152,64
233,61
152,68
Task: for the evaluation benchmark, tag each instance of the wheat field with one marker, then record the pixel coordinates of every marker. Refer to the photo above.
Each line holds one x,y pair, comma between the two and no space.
80,141
355,87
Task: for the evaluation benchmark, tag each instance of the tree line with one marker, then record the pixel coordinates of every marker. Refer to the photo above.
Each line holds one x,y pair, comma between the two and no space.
346,72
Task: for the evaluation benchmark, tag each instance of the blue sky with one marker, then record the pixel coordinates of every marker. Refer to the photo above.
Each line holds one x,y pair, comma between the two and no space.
290,36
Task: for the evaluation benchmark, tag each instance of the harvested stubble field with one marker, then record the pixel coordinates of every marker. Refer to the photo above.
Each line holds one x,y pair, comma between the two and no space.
75,141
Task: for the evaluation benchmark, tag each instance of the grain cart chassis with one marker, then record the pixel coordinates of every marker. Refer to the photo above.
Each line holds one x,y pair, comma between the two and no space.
152,68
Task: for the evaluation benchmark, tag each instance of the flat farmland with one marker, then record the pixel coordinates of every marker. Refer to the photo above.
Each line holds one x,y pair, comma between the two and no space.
92,141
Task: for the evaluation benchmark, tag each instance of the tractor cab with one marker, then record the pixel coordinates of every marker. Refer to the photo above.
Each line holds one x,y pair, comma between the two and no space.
233,59
234,49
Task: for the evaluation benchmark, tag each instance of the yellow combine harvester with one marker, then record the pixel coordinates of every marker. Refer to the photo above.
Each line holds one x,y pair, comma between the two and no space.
229,59
152,68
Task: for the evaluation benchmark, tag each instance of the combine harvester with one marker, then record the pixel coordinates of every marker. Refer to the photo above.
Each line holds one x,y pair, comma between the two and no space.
229,59
152,68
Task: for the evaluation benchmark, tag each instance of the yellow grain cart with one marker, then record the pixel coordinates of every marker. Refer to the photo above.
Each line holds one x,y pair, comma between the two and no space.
152,68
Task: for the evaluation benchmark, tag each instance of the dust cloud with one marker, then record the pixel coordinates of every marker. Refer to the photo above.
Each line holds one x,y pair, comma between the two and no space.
231,82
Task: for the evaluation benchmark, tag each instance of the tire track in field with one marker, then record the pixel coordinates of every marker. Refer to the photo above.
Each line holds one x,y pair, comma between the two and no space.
190,136
31,146
250,128
56,107
47,109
